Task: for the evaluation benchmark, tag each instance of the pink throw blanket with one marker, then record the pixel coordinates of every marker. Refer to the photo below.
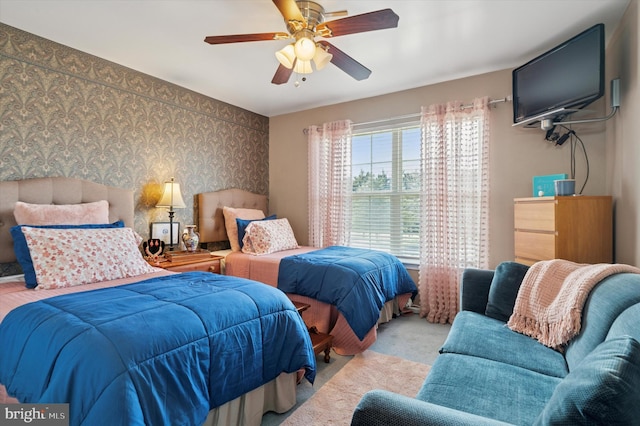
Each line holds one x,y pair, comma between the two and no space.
552,295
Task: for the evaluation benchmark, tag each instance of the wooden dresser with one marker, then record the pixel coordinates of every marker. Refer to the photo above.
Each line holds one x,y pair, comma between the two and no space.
576,228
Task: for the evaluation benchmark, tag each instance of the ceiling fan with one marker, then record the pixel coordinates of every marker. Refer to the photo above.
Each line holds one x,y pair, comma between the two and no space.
305,21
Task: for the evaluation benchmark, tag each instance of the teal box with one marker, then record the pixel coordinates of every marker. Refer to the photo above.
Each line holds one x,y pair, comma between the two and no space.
544,184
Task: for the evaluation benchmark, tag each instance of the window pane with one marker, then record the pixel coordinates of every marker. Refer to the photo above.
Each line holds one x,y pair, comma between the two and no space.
361,149
411,175
381,146
371,226
361,179
411,143
381,176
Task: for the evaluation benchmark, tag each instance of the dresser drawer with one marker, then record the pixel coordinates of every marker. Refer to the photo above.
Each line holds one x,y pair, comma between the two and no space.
535,245
205,266
535,216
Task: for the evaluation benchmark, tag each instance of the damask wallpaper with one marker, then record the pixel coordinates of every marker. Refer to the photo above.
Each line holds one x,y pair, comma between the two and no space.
67,113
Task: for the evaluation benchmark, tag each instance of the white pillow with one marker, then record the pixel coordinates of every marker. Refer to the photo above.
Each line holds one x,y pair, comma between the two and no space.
230,216
268,236
62,214
70,257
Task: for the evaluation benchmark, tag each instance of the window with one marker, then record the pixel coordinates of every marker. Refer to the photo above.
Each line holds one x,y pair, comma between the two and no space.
386,191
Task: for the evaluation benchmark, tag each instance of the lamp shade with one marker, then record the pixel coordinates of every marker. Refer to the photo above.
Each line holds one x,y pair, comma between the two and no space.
305,48
171,196
321,58
286,56
303,67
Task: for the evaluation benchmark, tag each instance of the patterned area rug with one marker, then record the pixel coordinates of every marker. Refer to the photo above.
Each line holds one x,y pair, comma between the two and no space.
334,403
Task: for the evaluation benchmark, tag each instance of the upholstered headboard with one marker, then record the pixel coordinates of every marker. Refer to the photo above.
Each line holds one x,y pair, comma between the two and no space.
57,190
210,217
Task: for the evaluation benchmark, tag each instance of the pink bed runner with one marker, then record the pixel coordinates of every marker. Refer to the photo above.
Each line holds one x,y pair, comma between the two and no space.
552,295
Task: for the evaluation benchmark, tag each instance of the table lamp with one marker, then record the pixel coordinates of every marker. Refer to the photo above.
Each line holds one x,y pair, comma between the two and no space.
171,199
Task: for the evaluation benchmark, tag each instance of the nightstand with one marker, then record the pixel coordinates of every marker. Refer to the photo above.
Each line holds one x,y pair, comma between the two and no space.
210,264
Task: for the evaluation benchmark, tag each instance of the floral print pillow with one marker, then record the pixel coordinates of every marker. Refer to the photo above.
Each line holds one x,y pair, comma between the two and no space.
70,257
270,236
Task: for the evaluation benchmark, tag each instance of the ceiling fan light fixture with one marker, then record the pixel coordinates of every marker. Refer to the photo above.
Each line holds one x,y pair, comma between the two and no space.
321,58
303,67
305,49
306,21
286,56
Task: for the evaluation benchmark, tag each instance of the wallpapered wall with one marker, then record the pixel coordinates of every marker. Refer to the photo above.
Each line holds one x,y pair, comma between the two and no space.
67,113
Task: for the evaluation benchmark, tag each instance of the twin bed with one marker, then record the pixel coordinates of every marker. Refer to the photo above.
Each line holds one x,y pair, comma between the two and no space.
144,346
334,314
94,325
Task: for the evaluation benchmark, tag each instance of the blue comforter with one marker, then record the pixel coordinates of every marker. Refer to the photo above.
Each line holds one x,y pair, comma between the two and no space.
357,281
161,351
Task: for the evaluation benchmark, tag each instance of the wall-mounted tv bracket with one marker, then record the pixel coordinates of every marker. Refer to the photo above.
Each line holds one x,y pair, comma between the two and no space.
548,123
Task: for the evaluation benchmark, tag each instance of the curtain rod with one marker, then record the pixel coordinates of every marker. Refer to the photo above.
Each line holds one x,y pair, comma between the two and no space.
416,115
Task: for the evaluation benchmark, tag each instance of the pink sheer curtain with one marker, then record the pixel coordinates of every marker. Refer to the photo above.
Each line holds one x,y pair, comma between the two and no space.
330,183
454,202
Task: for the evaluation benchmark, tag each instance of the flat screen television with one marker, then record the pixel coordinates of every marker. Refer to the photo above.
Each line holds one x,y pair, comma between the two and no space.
564,79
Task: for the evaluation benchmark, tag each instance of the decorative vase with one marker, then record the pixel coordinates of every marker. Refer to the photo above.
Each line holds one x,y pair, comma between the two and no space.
190,238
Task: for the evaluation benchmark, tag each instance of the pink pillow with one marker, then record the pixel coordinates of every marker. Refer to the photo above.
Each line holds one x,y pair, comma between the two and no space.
63,214
230,216
270,236
70,257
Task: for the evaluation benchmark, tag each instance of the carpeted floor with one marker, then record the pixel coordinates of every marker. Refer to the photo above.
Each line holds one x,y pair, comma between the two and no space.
334,403
410,338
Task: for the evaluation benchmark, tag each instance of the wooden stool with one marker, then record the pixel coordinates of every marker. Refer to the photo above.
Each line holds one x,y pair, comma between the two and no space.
320,341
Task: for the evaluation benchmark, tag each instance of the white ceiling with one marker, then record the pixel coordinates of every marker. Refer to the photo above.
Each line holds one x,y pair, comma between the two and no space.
436,40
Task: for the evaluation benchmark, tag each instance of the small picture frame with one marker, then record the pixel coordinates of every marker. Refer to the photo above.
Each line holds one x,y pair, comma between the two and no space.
160,230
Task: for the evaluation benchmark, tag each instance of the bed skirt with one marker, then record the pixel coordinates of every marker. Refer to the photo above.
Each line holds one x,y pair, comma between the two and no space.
279,395
326,319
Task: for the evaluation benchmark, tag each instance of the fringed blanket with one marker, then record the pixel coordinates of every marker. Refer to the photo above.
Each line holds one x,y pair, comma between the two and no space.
552,295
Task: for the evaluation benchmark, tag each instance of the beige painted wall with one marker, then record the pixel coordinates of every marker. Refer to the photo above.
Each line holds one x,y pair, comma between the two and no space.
623,138
516,154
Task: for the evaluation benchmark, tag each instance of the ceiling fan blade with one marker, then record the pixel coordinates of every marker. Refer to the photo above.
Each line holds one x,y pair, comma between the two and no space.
240,38
282,75
346,63
378,20
289,10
